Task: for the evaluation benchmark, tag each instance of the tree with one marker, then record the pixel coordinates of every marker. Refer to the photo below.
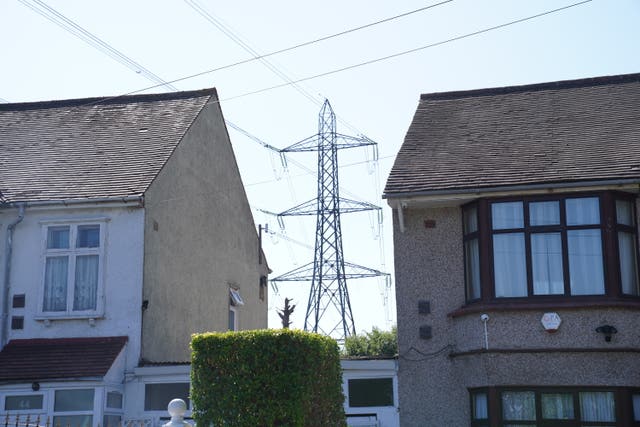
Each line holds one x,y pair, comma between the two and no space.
376,343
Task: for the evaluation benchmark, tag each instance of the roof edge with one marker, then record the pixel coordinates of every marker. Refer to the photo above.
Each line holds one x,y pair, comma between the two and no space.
106,100
519,187
535,87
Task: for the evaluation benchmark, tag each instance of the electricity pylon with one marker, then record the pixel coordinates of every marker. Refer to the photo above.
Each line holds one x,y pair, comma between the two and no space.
329,307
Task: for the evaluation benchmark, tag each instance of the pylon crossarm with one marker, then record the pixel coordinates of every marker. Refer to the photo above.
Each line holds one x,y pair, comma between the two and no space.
346,141
348,205
300,274
308,144
307,208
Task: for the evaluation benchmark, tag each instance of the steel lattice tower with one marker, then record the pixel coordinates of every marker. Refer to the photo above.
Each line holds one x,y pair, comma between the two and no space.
329,307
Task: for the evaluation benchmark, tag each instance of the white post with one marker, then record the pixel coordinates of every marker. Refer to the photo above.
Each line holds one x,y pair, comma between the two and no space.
177,409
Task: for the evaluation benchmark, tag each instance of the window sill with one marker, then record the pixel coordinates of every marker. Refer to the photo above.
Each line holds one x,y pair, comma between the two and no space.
66,316
528,304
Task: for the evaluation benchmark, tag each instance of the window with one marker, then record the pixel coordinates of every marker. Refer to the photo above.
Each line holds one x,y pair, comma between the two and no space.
73,257
73,408
25,402
158,396
235,300
370,392
551,247
562,407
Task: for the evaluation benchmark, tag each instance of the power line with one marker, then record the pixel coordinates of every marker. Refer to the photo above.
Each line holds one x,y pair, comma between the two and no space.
406,52
287,49
68,24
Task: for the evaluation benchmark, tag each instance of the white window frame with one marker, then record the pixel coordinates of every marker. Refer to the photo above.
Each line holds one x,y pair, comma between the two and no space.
73,252
42,410
95,412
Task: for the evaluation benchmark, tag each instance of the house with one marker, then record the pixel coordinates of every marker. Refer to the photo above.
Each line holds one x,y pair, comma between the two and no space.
516,256
125,228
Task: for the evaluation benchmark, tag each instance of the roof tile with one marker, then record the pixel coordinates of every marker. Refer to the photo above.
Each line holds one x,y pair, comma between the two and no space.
567,131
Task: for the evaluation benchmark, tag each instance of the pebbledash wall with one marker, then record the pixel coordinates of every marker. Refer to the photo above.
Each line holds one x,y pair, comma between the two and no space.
436,374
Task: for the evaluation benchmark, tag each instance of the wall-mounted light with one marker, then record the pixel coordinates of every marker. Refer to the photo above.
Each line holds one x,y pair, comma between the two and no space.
607,330
35,386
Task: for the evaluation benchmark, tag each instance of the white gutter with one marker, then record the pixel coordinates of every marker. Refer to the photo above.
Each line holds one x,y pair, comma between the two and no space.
4,315
119,200
512,188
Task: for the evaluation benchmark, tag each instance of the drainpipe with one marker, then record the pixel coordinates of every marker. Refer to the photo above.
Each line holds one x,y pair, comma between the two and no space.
7,275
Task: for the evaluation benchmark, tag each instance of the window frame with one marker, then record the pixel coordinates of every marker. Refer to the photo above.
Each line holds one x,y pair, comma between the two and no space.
609,229
73,252
622,400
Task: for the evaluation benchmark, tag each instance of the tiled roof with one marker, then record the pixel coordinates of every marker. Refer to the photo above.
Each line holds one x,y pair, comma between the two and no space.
47,359
91,148
562,132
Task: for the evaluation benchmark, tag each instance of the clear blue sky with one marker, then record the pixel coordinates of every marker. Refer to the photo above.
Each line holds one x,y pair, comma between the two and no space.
41,61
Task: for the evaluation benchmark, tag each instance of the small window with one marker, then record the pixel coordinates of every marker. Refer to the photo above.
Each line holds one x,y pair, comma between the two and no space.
507,215
236,299
370,392
233,321
158,396
114,400
25,402
18,301
17,322
519,406
557,406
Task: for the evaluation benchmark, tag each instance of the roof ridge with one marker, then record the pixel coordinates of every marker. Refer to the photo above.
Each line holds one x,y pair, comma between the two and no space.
106,100
534,87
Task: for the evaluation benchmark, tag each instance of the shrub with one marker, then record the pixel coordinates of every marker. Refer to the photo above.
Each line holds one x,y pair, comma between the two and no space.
266,378
376,343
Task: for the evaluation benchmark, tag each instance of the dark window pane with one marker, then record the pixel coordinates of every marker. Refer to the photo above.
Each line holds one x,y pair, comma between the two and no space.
158,396
584,211
509,265
597,406
472,268
519,405
114,400
636,407
624,212
470,220
232,320
88,236
557,406
544,213
370,392
58,237
546,262
23,403
480,406
507,215
585,262
628,264
73,421
73,400
111,421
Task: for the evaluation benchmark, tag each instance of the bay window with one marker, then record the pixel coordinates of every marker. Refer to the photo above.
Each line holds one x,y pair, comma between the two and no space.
73,256
554,407
551,247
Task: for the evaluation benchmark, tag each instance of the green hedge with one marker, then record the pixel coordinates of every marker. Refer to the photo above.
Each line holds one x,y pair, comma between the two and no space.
266,378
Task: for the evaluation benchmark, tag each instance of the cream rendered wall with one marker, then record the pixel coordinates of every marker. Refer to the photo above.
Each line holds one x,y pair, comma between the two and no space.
200,239
122,275
433,388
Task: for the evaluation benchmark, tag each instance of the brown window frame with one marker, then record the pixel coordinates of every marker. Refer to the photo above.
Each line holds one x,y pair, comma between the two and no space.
609,229
622,398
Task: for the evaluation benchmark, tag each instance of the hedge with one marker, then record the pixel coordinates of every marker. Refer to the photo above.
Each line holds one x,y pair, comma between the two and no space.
266,378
